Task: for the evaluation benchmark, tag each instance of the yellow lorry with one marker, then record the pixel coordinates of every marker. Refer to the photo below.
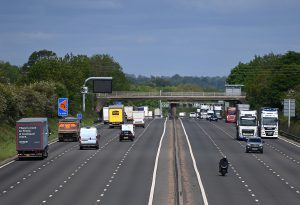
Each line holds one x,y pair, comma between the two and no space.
116,115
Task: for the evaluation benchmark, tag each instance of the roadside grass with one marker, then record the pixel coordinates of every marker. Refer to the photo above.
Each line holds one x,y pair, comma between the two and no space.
8,135
294,128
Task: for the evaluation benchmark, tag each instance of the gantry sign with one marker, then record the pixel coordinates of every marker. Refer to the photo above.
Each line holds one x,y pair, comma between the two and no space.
100,85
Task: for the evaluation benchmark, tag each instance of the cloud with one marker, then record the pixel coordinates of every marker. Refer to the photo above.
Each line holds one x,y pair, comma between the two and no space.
36,35
90,4
231,5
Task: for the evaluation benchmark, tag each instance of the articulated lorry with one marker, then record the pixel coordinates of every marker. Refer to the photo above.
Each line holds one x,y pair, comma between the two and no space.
247,124
230,114
32,137
218,111
203,111
116,115
68,129
105,115
268,127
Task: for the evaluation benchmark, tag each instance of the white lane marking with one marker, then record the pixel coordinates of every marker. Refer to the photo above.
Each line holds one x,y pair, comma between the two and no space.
195,167
288,141
4,165
150,202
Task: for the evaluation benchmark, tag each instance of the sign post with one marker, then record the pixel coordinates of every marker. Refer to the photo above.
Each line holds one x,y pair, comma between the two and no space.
100,85
289,110
62,108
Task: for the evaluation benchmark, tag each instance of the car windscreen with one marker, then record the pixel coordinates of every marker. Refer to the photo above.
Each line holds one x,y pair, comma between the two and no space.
248,121
269,121
254,140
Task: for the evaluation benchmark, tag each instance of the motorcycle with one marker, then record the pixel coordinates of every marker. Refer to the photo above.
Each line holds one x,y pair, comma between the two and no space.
224,169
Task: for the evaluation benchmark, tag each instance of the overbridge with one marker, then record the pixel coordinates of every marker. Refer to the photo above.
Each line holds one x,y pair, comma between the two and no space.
172,96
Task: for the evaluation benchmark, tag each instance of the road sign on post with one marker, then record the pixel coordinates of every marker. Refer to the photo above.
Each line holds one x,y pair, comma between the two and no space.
79,116
62,108
100,85
289,109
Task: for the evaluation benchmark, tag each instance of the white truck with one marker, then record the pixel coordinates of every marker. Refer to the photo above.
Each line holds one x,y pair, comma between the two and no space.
128,111
203,111
209,114
247,124
218,111
105,115
157,112
138,118
182,114
268,123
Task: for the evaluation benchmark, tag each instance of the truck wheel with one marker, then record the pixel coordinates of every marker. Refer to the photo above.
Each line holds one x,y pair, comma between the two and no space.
80,147
60,139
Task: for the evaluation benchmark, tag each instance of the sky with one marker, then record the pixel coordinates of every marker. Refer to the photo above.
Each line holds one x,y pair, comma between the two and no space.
156,37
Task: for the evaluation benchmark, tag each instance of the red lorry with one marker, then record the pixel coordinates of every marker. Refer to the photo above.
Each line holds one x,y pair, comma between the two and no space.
231,114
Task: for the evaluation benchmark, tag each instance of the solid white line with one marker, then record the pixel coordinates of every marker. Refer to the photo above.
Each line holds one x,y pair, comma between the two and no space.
4,165
12,161
155,167
195,167
288,141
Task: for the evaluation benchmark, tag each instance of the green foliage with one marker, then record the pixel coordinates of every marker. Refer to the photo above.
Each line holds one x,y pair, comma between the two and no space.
267,79
8,73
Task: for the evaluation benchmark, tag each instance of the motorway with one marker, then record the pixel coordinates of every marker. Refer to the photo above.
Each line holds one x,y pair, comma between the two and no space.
148,170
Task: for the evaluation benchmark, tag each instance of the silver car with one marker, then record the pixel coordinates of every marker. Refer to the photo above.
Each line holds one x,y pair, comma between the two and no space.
255,144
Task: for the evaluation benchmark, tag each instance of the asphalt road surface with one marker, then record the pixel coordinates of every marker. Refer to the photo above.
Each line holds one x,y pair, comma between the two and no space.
145,171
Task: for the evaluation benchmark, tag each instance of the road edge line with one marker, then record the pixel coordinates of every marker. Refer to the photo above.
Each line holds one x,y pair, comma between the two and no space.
150,202
195,167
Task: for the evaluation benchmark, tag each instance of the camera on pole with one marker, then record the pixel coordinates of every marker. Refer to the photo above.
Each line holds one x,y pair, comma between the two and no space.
84,90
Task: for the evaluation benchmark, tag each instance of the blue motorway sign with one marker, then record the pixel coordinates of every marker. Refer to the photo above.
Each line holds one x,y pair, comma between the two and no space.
62,108
79,116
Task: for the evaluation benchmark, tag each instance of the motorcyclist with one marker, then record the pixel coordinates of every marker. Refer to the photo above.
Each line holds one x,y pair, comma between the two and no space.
223,162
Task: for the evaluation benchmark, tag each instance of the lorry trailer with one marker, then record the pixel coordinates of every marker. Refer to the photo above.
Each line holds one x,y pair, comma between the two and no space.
32,137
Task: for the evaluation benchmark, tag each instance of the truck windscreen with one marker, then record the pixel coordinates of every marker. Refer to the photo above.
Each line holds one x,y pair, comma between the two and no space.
248,121
269,121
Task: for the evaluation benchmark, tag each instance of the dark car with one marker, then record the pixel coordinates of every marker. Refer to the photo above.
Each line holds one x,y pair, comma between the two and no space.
255,144
213,117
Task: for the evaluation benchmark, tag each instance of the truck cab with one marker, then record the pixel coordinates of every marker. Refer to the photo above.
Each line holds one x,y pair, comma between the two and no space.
268,123
247,124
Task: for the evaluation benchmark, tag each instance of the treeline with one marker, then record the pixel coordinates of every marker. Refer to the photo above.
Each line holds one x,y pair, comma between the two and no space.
269,79
33,89
179,83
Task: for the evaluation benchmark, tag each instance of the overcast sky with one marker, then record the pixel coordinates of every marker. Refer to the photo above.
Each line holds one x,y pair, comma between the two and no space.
154,37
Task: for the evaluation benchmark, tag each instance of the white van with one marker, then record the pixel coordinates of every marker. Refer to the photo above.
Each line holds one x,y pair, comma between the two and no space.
89,137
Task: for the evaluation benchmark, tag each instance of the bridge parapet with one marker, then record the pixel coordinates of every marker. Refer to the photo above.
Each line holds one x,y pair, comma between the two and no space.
171,95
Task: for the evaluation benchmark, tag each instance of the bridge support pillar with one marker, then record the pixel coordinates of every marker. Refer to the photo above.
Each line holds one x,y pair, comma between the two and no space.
99,105
173,109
